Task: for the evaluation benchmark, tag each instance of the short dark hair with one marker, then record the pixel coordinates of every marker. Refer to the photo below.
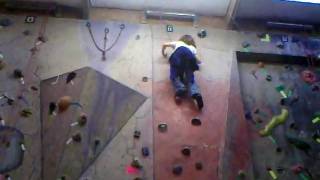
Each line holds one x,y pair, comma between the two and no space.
188,39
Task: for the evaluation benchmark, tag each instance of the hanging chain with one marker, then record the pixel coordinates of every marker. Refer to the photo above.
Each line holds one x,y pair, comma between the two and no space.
105,39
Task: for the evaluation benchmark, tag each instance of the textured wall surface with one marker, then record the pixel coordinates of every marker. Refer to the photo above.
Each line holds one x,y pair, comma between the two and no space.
279,10
205,7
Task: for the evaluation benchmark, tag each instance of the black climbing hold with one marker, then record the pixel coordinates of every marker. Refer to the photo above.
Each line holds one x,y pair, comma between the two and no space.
202,33
315,88
138,37
136,134
88,24
278,149
280,45
10,101
17,73
162,127
288,67
97,142
122,26
43,39
5,22
256,111
70,77
62,178
26,32
196,122
186,151
76,138
283,101
137,178
293,126
177,170
145,79
280,169
245,44
269,78
106,30
145,151
248,116
199,166
82,120
34,88
7,176
52,107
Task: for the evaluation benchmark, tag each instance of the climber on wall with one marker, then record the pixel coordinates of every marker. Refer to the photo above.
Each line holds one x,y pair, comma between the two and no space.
183,63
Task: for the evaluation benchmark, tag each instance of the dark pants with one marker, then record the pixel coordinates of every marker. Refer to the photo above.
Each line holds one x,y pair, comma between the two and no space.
182,67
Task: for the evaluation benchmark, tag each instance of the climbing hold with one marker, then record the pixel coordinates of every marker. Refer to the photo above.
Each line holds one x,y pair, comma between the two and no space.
136,134
137,178
177,170
26,113
272,173
196,122
64,103
199,166
162,127
52,108
280,169
138,37
275,121
96,142
280,45
5,22
245,44
288,67
77,138
34,88
43,39
82,120
17,73
269,78
122,26
136,163
256,111
315,88
2,65
145,151
88,24
248,116
293,126
298,143
145,79
316,137
186,151
202,33
70,77
278,149
62,178
308,76
26,32
241,174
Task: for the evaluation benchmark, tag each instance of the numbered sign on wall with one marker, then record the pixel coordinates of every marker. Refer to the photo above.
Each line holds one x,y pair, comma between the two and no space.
169,28
30,19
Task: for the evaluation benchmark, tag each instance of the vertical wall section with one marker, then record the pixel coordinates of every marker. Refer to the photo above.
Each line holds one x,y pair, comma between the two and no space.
236,155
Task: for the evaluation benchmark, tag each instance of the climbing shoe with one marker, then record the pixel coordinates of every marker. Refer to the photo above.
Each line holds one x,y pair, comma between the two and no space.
198,100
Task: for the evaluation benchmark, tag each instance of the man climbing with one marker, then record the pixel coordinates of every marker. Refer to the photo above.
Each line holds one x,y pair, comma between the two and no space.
183,64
